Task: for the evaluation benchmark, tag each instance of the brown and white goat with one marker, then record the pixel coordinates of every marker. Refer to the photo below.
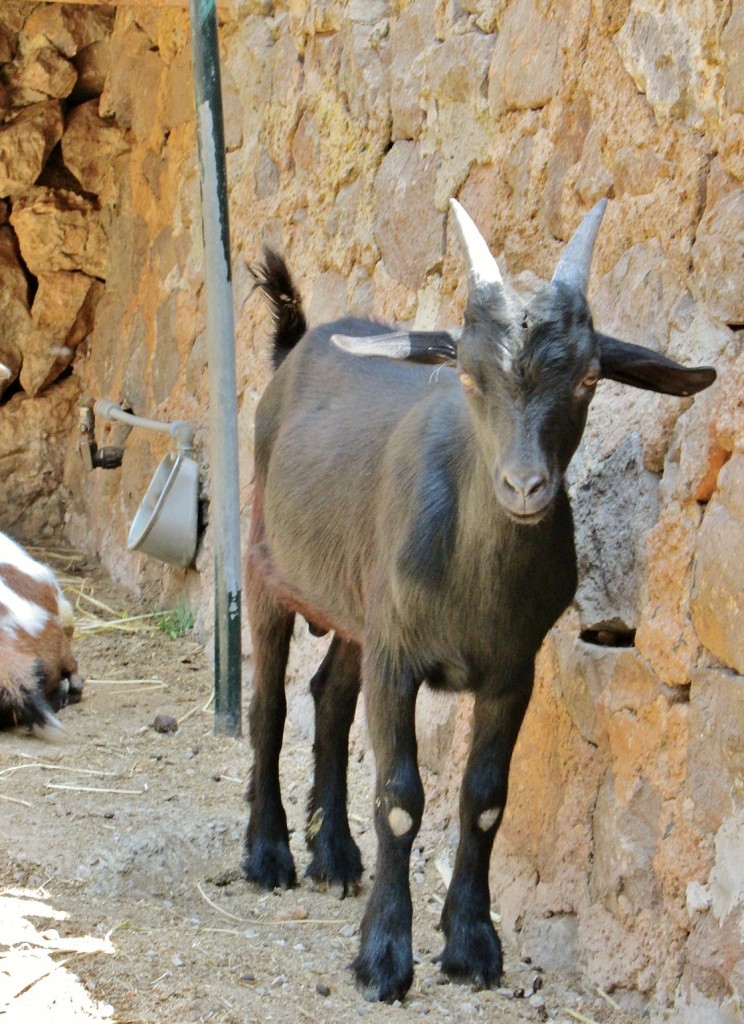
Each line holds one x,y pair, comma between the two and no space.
38,673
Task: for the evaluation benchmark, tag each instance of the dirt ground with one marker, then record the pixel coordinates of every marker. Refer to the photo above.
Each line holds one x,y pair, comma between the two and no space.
120,895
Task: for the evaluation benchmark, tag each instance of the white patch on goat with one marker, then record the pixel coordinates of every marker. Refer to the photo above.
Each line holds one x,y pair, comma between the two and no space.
66,614
13,554
400,821
487,819
23,614
52,730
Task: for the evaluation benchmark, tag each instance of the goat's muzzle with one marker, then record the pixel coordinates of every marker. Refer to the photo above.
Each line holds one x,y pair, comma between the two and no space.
525,493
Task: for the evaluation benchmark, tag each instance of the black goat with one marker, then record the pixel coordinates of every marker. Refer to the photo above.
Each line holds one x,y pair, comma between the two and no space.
421,515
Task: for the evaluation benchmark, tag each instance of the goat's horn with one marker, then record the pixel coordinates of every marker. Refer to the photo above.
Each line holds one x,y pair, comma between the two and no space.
482,267
575,263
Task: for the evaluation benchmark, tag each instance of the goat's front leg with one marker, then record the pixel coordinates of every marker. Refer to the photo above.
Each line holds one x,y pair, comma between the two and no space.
473,950
384,966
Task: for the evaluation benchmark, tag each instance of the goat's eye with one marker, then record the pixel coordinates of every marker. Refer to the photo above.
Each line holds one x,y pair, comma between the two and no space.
468,382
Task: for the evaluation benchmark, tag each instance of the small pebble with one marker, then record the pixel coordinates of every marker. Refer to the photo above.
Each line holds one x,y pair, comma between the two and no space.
537,1001
537,982
165,723
297,913
322,989
176,960
507,993
247,976
348,931
518,993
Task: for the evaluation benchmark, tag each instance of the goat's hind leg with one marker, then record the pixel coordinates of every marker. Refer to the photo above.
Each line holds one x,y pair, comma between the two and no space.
473,949
268,860
335,688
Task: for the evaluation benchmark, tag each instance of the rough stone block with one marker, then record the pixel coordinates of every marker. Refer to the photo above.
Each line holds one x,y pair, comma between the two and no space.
328,301
658,50
715,777
68,27
457,69
625,841
59,230
62,317
40,74
527,64
717,610
133,85
410,36
16,319
637,173
92,64
732,44
551,942
615,505
408,230
570,129
25,144
718,254
584,673
32,472
714,969
90,144
665,636
729,421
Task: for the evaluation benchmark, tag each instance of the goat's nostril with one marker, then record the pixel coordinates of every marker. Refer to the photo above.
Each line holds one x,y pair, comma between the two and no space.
509,484
535,484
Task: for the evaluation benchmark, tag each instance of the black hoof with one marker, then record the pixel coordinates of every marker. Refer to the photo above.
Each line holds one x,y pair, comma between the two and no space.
336,861
384,970
473,954
270,865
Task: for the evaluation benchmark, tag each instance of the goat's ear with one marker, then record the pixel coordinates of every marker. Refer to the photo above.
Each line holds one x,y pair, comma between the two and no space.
415,346
642,368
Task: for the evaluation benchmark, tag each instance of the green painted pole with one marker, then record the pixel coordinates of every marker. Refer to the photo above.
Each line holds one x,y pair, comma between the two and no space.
224,509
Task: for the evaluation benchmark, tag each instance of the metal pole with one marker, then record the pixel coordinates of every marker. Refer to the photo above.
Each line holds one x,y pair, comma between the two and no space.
223,405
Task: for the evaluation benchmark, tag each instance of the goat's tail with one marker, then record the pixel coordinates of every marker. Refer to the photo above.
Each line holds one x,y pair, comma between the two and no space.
275,281
23,701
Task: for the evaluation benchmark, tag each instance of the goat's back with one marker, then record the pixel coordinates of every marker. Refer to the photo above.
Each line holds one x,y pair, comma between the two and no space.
327,429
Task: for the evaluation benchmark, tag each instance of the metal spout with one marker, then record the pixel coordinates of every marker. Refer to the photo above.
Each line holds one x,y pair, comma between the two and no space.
92,456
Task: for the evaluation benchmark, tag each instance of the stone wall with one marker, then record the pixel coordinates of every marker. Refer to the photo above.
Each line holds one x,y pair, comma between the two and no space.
348,127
